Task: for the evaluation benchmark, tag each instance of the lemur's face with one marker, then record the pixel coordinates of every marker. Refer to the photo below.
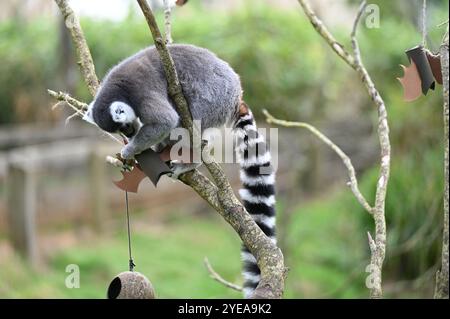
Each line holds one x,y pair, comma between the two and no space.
123,114
122,119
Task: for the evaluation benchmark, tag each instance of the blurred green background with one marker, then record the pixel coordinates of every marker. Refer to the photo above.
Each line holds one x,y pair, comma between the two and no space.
288,69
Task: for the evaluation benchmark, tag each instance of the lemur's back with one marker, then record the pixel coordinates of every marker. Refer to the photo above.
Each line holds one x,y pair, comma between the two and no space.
211,87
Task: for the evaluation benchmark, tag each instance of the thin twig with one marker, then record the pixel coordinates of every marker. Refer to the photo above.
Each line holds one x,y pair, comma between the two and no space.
214,275
79,108
167,22
76,105
424,23
377,245
70,117
358,17
377,257
442,23
323,31
353,183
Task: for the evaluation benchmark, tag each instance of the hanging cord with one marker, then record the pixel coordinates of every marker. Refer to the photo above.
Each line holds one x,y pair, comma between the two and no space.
130,261
424,23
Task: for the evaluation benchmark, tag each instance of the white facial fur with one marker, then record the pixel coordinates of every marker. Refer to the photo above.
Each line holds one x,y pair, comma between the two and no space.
122,112
88,115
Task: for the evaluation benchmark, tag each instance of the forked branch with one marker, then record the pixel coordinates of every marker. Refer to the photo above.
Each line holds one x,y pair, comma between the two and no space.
378,244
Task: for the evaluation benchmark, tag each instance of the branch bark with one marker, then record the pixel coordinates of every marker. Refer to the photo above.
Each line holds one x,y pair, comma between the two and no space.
441,291
377,245
167,22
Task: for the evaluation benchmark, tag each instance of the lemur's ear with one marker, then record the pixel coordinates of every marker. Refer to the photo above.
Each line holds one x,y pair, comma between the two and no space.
121,112
88,117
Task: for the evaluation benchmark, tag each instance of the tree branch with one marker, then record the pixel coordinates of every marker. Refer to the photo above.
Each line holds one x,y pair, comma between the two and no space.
167,22
268,255
214,275
76,105
174,86
323,31
353,183
441,291
80,109
377,258
377,245
84,55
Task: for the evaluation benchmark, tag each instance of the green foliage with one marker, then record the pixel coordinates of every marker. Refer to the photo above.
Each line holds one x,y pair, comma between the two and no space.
29,62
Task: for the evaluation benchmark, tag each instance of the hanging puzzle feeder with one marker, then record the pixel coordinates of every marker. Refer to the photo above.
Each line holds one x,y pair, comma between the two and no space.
132,284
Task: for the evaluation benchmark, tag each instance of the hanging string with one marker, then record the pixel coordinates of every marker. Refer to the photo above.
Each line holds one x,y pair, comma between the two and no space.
424,23
130,261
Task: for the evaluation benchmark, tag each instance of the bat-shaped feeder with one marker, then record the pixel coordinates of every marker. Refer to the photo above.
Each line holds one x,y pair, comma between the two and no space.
148,164
422,74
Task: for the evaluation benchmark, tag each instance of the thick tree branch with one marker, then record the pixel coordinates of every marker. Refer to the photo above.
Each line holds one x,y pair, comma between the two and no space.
84,55
174,86
377,245
268,256
441,290
203,186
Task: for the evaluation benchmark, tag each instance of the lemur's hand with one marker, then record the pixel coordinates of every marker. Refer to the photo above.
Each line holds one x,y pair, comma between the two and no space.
128,151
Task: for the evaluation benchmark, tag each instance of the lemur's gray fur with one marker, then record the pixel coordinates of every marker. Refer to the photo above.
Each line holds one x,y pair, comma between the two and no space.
133,99
211,87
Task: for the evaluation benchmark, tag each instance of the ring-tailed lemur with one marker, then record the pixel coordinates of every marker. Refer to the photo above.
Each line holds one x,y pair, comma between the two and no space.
133,99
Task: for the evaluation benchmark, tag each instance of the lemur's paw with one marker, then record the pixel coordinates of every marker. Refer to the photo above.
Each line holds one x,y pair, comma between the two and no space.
179,168
128,151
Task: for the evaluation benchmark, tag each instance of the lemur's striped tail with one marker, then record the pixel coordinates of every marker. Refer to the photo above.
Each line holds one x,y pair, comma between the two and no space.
258,190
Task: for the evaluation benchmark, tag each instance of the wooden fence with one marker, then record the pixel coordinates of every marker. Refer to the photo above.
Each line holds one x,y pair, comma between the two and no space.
31,155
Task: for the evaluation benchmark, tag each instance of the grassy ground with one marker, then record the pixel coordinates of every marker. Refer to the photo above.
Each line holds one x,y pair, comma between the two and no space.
322,264
171,257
